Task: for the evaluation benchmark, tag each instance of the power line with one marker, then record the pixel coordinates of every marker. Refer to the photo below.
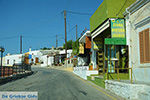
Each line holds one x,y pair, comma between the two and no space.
7,38
35,37
72,28
121,8
78,13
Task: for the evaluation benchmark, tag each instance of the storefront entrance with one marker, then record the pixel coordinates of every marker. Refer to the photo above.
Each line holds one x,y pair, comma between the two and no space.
116,54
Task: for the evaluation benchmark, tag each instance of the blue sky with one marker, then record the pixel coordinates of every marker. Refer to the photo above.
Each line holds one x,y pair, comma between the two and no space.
39,21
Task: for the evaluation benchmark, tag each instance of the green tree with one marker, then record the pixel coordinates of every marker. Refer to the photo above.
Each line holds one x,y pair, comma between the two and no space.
76,47
45,48
69,44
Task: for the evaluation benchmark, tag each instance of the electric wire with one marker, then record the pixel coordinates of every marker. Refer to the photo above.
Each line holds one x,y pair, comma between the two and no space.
121,8
78,13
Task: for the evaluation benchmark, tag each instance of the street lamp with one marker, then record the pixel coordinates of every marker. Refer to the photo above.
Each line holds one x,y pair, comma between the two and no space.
2,50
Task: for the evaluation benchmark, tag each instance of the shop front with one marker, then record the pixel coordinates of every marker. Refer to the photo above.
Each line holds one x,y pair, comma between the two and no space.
84,49
109,46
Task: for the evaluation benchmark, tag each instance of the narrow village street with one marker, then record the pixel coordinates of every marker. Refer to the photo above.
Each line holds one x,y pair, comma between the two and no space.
53,84
75,50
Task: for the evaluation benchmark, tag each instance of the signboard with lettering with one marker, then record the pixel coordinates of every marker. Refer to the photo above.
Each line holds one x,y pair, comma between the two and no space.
118,28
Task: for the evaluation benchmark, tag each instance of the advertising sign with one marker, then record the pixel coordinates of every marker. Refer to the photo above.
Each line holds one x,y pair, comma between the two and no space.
118,28
81,48
30,56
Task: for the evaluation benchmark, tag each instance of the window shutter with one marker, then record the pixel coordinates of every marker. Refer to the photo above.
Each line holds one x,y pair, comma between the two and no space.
144,39
141,47
147,46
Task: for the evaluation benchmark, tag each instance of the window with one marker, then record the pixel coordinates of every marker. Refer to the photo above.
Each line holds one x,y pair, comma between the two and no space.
144,39
14,61
8,61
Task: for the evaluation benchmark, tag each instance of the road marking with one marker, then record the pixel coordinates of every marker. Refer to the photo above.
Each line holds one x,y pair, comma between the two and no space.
113,98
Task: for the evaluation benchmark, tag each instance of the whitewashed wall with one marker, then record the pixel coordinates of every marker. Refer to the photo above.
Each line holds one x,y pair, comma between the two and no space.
47,61
137,22
16,58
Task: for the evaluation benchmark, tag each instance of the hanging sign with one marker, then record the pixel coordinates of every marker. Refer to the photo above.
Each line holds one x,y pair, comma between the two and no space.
118,28
88,42
81,48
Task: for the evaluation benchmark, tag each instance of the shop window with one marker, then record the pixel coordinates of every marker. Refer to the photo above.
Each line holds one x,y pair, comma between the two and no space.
144,40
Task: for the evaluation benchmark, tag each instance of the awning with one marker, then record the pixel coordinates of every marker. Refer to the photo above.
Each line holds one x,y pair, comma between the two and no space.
100,29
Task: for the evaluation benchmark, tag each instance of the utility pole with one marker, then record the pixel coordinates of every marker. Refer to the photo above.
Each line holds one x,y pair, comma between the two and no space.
65,33
76,33
21,44
56,41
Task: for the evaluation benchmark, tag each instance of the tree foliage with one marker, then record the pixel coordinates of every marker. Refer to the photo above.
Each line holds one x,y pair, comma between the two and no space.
76,47
45,48
69,44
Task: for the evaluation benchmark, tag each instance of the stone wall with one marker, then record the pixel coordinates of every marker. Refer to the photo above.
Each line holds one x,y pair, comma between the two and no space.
128,90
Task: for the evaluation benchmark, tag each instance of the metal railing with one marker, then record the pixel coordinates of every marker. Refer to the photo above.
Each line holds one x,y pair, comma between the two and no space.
6,71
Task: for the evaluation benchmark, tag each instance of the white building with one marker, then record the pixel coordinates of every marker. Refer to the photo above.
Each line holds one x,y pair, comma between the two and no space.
62,56
138,39
47,60
10,60
35,56
69,52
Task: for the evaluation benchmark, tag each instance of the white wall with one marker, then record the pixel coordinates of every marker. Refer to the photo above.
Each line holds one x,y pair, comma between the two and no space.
47,61
83,71
11,58
137,22
35,54
69,52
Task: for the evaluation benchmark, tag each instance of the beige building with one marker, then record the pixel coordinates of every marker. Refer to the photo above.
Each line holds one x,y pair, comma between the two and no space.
138,39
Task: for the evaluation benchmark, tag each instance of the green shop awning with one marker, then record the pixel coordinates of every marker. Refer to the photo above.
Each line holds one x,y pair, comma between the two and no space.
115,41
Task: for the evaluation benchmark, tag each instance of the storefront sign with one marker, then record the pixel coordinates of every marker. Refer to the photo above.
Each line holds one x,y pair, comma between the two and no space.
81,48
117,28
97,44
115,41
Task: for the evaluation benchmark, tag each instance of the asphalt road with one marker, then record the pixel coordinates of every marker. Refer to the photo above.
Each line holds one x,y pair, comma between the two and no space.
53,84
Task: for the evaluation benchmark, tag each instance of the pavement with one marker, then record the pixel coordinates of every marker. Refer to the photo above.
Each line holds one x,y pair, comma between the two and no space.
54,84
